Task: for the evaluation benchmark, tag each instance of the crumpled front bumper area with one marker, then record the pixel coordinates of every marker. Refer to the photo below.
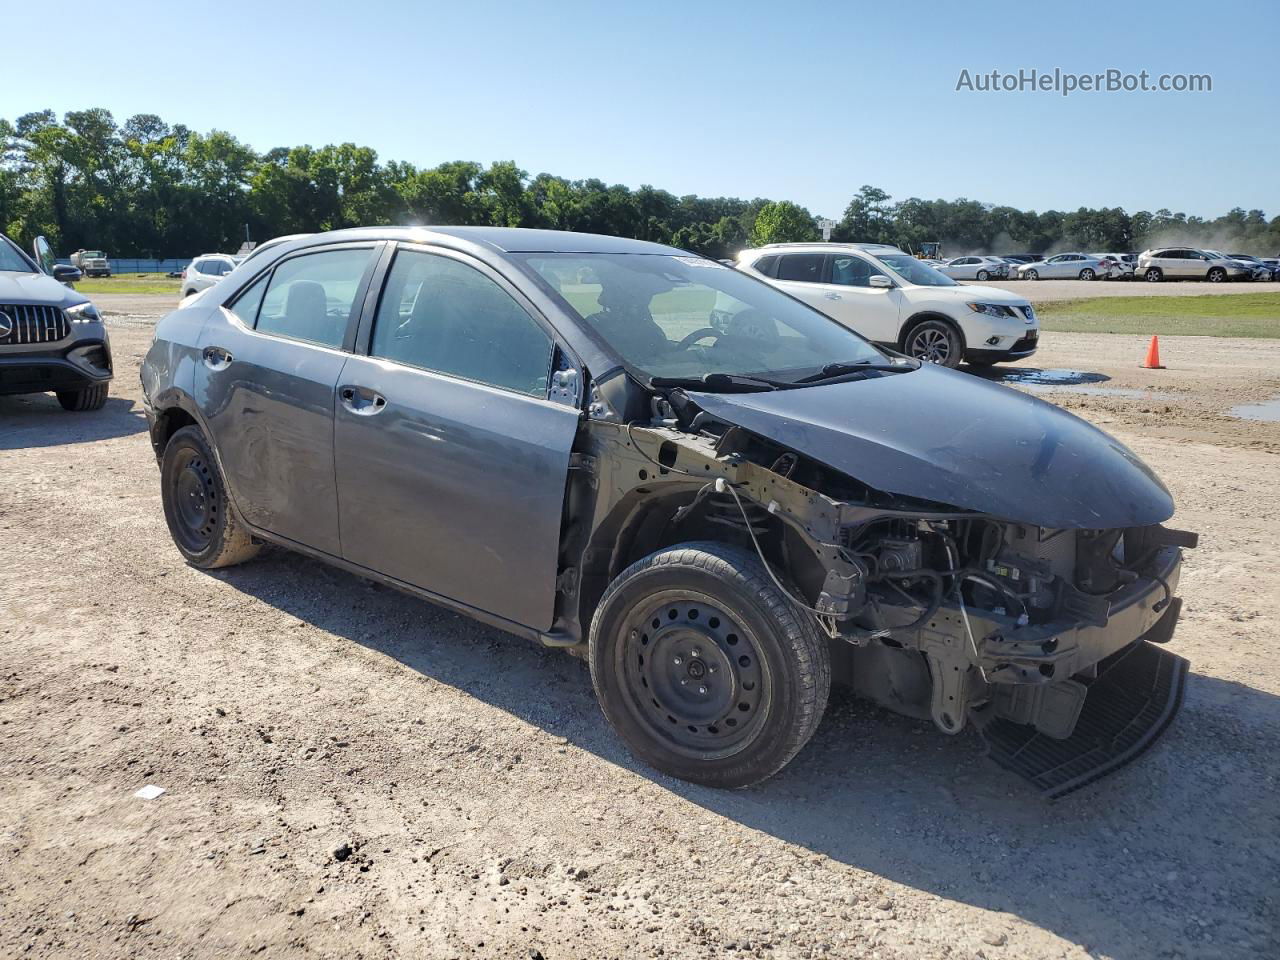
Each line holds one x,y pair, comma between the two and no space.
1133,699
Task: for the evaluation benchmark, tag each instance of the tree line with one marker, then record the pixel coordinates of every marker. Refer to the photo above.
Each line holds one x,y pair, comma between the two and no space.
145,188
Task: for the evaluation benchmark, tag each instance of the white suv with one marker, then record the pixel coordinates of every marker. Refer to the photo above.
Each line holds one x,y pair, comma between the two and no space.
204,271
892,298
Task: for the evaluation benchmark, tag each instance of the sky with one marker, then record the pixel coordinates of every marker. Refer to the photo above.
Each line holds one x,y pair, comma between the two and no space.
786,100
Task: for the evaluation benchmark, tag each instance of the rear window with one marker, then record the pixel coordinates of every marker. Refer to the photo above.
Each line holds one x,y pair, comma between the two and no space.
801,267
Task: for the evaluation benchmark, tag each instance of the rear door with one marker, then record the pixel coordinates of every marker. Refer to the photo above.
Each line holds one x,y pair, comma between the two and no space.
265,381
802,276
451,456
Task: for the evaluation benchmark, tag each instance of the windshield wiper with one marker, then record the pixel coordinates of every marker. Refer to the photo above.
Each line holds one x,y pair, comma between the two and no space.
722,382
842,368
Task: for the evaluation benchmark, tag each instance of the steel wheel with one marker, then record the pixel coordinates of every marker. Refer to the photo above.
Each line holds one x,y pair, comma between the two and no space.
201,520
694,677
195,501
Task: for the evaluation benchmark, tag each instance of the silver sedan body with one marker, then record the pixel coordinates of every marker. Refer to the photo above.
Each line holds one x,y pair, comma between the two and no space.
1063,266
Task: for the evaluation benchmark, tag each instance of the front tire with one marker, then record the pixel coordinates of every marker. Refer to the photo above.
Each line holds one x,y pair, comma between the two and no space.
935,341
84,399
1032,275
201,520
1154,275
705,668
1217,275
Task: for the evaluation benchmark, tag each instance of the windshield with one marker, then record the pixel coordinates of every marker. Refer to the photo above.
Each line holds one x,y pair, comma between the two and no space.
914,271
11,260
686,317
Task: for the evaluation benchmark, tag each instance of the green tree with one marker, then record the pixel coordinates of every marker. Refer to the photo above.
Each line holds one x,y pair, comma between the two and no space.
783,222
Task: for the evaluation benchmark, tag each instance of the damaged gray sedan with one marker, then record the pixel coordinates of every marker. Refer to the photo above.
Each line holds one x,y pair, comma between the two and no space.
727,500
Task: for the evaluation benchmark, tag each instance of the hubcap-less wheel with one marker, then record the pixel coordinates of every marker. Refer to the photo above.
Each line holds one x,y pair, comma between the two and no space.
195,501
1033,275
983,275
1217,275
693,676
1153,276
1086,274
931,345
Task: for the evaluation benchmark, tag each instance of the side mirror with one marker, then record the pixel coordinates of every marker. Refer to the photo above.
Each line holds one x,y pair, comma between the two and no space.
879,280
64,273
44,255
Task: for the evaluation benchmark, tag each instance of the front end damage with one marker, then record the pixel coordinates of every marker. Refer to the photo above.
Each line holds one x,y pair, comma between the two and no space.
1048,640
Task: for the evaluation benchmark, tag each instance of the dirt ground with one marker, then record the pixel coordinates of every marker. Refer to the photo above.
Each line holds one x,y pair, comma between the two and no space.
354,773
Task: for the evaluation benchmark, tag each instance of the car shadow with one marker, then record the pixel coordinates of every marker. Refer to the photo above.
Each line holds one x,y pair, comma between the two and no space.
37,420
1128,868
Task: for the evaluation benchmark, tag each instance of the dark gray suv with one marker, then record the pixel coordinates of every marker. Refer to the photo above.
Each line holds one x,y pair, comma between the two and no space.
51,338
724,498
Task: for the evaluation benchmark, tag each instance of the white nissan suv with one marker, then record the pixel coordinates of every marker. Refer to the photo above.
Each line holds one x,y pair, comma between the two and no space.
892,298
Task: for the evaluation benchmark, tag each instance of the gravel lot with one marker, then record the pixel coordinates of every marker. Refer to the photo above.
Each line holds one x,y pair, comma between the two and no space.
354,773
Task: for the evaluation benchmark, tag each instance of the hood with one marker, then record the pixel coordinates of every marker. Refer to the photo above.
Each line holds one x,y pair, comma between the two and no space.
952,438
37,288
966,292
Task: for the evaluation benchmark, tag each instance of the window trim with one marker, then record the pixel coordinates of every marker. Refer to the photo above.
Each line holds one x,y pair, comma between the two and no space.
357,302
363,336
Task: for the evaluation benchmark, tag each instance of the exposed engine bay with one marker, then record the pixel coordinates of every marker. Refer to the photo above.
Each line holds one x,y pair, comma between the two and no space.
1041,637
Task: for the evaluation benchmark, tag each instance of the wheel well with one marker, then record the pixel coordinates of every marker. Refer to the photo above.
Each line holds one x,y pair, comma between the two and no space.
919,318
642,527
168,422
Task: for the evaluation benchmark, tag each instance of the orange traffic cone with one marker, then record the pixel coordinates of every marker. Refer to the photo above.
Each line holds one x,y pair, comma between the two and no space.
1153,356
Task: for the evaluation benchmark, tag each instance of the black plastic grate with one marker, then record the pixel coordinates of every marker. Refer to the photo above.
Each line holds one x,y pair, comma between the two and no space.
1133,700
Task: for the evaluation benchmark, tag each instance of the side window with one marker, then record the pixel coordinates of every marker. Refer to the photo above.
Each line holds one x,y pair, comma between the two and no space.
246,305
852,271
442,315
767,265
310,297
803,267
199,266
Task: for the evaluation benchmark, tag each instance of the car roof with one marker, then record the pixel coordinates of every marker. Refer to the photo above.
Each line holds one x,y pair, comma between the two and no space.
498,239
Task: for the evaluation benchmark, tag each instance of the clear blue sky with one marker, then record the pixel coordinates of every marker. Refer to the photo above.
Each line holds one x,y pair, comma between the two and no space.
787,99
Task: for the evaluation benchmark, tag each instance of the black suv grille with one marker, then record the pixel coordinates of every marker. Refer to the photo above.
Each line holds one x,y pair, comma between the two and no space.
22,323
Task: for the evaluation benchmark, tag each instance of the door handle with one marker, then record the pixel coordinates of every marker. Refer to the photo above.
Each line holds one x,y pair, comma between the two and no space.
216,358
362,401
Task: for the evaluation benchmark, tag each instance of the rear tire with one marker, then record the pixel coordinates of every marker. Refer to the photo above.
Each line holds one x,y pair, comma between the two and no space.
1087,274
1154,275
934,341
85,399
201,519
983,275
705,668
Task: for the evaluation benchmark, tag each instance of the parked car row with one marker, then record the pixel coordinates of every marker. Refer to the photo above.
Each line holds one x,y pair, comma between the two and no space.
1164,263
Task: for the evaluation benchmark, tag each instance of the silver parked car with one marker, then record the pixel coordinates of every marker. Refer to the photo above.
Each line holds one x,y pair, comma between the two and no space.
1063,266
1188,263
52,339
725,499
206,270
1116,266
1260,270
975,268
